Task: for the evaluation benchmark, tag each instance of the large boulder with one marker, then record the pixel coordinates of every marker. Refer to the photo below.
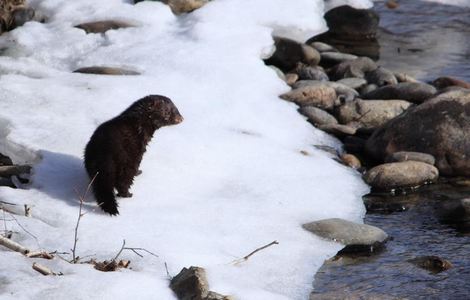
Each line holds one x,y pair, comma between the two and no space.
440,127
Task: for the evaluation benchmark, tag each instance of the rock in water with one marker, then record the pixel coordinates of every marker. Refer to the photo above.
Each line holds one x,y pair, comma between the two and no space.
347,233
432,263
411,91
400,175
440,127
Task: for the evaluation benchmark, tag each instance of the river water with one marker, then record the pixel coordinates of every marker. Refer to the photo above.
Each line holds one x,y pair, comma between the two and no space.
426,40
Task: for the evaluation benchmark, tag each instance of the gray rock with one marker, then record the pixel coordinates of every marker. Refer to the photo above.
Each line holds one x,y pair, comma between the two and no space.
454,211
440,127
432,263
338,130
414,156
317,116
400,175
410,91
306,72
403,77
353,68
346,232
351,161
105,71
381,77
191,284
103,26
323,47
371,113
310,55
368,88
320,96
352,82
345,92
291,78
337,57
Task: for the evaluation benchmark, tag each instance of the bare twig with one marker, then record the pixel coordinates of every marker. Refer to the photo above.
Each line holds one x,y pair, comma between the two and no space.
120,251
80,215
8,203
245,258
43,269
24,229
167,272
135,250
40,254
27,210
13,245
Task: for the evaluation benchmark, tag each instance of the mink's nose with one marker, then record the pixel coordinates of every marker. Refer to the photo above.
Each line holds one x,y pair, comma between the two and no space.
179,119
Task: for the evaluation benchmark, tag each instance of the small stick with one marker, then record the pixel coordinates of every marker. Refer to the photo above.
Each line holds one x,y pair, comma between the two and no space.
167,272
27,210
245,258
42,269
120,251
8,203
13,245
40,254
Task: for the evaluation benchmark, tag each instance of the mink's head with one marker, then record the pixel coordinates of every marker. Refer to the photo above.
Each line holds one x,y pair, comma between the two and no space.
157,110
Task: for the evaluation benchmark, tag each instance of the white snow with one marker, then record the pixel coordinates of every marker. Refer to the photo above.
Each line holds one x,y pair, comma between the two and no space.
226,181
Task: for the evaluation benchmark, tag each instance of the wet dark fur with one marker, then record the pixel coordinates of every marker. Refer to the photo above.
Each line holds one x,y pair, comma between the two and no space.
115,149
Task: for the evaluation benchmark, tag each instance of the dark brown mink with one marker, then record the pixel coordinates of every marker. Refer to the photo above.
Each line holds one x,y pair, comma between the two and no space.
115,149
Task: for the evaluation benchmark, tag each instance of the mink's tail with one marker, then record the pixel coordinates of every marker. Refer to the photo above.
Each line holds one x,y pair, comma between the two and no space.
103,189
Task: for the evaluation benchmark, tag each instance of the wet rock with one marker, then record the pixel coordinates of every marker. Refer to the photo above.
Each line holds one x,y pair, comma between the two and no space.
432,263
306,72
291,78
353,68
288,53
103,26
351,30
317,116
346,232
344,92
351,161
352,82
321,96
444,82
440,127
351,295
371,113
414,156
368,88
191,284
390,204
338,130
410,91
381,77
400,174
322,47
336,57
182,6
454,211
403,77
105,71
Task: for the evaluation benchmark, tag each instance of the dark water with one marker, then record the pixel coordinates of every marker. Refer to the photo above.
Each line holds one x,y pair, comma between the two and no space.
426,40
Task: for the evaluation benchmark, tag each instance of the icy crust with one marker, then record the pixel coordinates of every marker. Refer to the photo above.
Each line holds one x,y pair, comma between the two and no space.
226,181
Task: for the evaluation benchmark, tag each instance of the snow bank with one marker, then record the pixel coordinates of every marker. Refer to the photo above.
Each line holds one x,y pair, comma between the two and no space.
226,181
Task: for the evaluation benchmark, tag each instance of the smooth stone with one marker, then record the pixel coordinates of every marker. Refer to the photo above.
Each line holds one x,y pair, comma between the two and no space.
351,161
381,77
353,68
317,116
319,96
368,88
411,91
338,129
291,78
278,71
346,232
182,6
105,71
349,22
306,72
454,211
288,53
310,55
432,263
444,82
414,156
439,126
323,47
103,26
403,77
371,113
352,82
337,57
344,92
400,175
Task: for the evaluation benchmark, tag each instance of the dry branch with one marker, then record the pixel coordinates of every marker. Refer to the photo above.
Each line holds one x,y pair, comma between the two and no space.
13,245
42,269
245,258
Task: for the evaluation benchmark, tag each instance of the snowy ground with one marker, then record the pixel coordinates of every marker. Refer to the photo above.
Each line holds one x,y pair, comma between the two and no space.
226,181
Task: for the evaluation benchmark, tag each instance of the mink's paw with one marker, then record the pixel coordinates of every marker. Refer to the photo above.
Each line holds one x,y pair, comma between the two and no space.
110,208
